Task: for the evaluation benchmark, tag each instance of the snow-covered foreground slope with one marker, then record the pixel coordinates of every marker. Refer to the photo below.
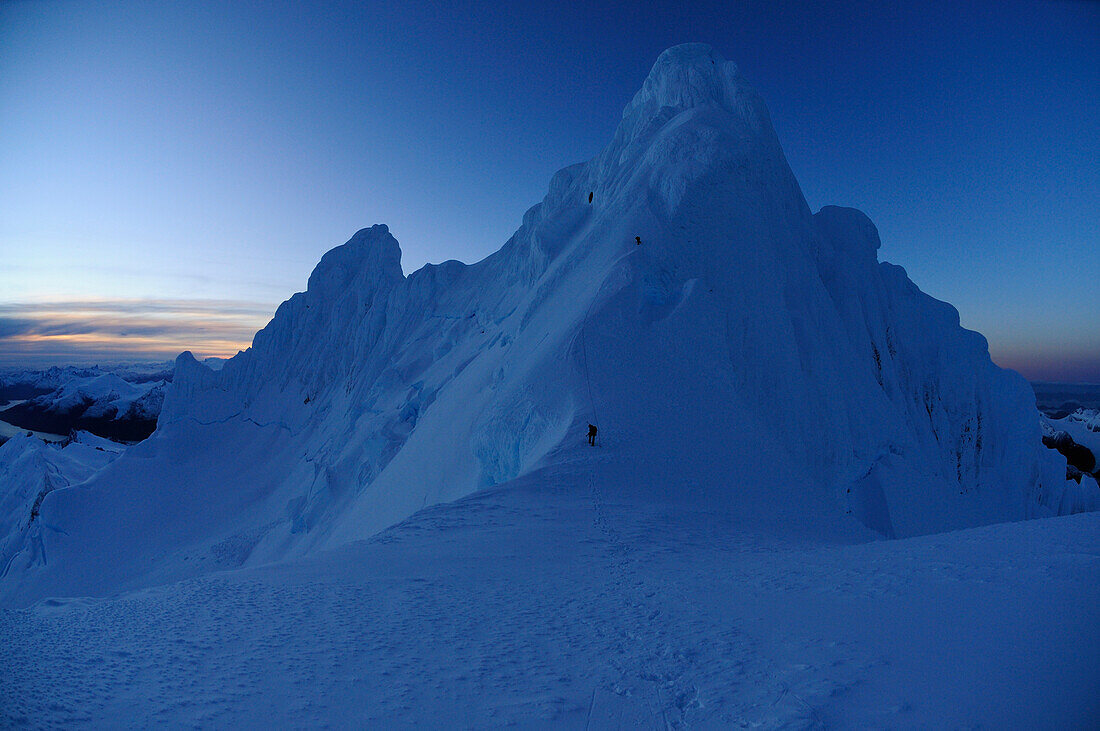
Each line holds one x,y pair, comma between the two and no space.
551,602
746,357
31,468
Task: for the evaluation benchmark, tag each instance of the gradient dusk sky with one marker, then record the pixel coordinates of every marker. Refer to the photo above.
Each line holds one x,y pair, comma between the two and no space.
171,171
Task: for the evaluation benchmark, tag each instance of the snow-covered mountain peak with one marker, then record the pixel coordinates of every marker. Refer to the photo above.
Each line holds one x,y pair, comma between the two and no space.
371,255
736,353
686,76
694,75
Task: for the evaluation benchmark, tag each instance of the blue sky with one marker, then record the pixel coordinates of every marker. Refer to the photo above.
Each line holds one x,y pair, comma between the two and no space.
177,168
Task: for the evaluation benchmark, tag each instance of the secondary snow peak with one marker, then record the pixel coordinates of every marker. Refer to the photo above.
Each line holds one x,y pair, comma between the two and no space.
371,254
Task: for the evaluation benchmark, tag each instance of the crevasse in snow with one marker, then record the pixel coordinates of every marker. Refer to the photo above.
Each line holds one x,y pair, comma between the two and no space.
748,357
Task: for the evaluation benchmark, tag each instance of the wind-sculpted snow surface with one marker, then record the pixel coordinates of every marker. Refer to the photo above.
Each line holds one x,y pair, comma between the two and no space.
30,469
746,356
541,605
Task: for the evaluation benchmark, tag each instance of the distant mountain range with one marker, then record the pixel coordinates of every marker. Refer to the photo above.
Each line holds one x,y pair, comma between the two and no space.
119,402
1058,400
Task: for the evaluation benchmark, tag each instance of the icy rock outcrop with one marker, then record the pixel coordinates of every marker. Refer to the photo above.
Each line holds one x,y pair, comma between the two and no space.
748,357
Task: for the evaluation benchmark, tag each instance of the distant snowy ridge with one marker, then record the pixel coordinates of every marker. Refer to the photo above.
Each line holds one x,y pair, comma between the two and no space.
104,403
120,400
1061,399
747,356
1076,437
1084,420
28,382
106,395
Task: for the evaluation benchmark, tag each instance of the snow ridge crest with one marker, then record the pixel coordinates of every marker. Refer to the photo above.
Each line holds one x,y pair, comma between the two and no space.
695,75
372,250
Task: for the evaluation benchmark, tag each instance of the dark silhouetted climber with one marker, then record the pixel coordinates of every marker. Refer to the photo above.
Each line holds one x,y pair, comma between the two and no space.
591,435
589,197
638,239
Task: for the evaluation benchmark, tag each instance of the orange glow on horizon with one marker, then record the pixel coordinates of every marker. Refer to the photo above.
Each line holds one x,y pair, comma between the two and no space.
141,329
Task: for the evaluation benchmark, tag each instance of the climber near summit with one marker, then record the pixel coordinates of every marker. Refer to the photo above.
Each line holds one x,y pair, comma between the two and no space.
591,435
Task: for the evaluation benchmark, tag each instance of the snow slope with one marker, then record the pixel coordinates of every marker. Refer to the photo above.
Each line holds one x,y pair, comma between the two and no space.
748,358
30,468
549,604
